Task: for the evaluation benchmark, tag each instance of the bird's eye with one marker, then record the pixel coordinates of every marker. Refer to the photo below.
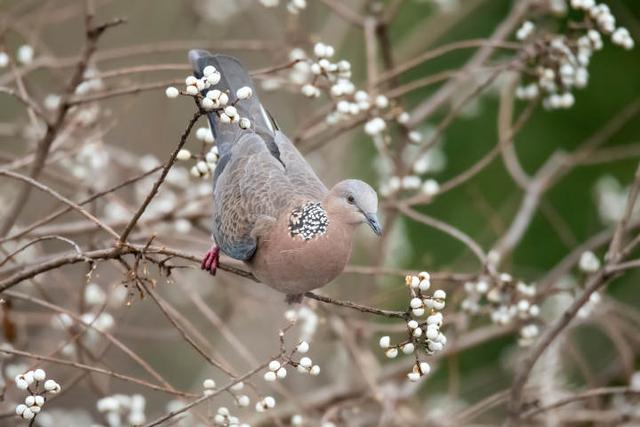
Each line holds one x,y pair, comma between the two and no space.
350,199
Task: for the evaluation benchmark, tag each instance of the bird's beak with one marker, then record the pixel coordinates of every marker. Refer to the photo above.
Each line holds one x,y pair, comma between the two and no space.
372,220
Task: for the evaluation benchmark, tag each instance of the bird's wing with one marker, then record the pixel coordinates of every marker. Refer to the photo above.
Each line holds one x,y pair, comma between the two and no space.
252,188
298,170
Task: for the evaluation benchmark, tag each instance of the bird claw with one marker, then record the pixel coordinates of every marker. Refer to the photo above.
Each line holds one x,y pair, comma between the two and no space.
210,260
293,298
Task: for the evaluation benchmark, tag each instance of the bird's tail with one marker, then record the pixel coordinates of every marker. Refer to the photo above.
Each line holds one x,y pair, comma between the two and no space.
233,77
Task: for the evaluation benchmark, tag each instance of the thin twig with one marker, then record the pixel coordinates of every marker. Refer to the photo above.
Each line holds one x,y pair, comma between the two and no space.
163,175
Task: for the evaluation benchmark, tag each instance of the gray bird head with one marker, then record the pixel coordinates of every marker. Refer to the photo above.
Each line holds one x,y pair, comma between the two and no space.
358,201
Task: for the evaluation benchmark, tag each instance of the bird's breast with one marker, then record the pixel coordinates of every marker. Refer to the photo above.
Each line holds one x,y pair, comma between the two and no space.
303,251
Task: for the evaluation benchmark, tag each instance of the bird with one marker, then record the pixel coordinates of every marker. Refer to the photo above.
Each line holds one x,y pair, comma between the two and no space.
270,209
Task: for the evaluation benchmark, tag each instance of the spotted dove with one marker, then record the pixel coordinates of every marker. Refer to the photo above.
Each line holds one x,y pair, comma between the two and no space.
270,209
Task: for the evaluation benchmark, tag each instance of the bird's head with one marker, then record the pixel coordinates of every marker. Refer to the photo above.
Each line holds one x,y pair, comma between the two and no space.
356,202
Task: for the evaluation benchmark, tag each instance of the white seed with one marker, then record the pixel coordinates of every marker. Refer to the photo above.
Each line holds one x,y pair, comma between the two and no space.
385,341
413,376
269,402
375,126
415,136
183,154
432,332
320,50
29,377
211,158
439,294
306,362
382,101
424,285
589,262
4,59
207,104
21,384
330,51
244,123
203,168
214,78
281,373
244,92
303,347
28,414
361,96
430,187
482,287
172,92
274,365
418,312
425,368
231,111
214,94
209,383
201,133
403,118
408,348
534,310
442,339
52,386
270,376
523,305
416,303
315,68
343,107
414,281
309,91
244,400
434,319
436,346
344,66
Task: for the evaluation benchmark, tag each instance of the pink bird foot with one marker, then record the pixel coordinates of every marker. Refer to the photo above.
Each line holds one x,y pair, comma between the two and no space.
210,260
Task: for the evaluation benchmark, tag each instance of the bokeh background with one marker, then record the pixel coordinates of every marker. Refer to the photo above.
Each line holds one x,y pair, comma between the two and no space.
145,126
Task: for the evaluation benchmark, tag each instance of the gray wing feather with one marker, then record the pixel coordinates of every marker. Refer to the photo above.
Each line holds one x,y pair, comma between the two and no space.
252,186
299,172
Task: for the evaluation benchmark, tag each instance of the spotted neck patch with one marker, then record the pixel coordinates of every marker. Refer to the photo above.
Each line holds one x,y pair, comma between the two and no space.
308,221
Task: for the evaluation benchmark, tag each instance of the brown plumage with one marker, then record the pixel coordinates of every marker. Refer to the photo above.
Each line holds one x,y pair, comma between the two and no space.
270,209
